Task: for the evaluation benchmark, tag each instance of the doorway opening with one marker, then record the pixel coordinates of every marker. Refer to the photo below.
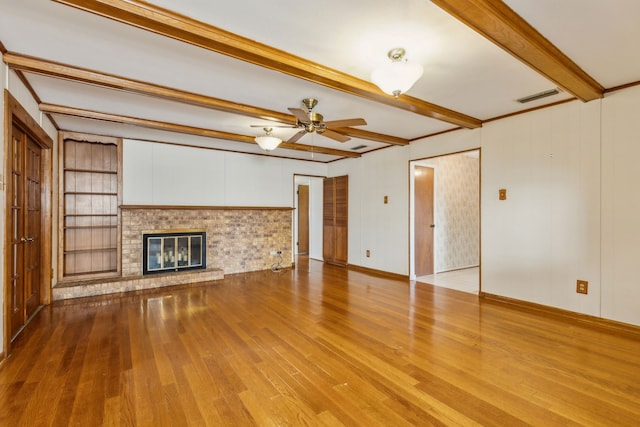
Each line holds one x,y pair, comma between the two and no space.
445,221
307,220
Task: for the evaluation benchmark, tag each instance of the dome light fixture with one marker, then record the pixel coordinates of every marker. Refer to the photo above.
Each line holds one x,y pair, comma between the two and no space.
396,77
268,142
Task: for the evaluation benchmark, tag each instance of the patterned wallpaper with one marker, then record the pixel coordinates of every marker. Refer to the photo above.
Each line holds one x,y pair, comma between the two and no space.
456,211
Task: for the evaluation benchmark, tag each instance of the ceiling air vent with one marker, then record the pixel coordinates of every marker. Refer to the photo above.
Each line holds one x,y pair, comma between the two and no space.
539,95
359,147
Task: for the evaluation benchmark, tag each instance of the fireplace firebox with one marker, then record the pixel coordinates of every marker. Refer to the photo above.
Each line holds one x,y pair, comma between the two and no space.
173,251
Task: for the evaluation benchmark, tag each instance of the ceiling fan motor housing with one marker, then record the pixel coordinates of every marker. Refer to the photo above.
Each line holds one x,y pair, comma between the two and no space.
315,118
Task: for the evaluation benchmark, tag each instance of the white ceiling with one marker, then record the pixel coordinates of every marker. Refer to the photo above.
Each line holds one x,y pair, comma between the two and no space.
464,72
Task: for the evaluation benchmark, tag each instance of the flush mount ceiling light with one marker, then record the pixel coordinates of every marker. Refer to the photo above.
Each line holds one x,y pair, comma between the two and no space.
396,77
268,142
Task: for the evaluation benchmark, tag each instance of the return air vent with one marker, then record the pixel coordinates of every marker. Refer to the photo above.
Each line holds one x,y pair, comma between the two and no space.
539,95
359,147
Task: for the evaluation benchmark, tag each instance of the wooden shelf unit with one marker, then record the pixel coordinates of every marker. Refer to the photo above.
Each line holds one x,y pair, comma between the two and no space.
90,192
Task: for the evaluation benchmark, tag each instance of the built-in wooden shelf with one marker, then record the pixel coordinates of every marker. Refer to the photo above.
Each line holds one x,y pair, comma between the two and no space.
90,191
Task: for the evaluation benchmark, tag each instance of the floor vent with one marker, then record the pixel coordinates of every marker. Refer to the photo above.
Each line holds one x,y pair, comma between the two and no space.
359,147
539,95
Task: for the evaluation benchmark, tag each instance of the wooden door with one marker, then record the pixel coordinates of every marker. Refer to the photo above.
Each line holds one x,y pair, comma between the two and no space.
423,216
341,219
303,219
25,225
33,227
335,218
16,274
328,227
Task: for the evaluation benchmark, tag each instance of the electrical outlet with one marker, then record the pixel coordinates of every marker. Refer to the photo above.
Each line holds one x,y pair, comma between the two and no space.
582,286
368,253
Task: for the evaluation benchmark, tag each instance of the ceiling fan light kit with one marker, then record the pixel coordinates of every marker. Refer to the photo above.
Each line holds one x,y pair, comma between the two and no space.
268,142
396,77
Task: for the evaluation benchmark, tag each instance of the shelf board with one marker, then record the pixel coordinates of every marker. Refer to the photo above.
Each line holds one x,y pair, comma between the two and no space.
88,251
108,172
88,193
91,274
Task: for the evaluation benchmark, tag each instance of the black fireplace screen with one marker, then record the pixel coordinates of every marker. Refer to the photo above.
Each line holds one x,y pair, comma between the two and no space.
179,251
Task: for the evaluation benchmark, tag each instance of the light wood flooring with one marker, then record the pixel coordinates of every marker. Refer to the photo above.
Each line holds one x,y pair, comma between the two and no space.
319,345
464,280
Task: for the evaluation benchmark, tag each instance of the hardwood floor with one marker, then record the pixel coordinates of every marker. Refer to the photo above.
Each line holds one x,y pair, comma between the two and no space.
319,345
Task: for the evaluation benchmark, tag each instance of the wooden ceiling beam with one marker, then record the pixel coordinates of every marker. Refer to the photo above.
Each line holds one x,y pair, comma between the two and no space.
170,24
54,69
174,127
495,21
372,136
96,78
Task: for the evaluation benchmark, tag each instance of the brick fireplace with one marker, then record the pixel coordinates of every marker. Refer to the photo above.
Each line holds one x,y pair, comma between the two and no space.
238,240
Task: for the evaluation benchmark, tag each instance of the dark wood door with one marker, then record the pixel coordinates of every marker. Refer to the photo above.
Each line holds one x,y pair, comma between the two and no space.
33,227
341,219
423,202
335,220
328,227
25,226
303,219
16,275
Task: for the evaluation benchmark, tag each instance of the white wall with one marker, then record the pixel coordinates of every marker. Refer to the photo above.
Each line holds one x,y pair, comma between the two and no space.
164,174
380,228
621,206
570,172
546,235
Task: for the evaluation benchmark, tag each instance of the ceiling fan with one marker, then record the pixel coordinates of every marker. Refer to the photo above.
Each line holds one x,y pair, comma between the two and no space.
309,122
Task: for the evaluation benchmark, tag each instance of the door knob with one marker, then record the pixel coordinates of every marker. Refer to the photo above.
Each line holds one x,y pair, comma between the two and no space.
23,240
432,226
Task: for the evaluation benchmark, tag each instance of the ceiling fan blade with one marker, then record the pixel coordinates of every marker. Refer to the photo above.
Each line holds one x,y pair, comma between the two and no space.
345,122
273,126
300,114
297,136
335,135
